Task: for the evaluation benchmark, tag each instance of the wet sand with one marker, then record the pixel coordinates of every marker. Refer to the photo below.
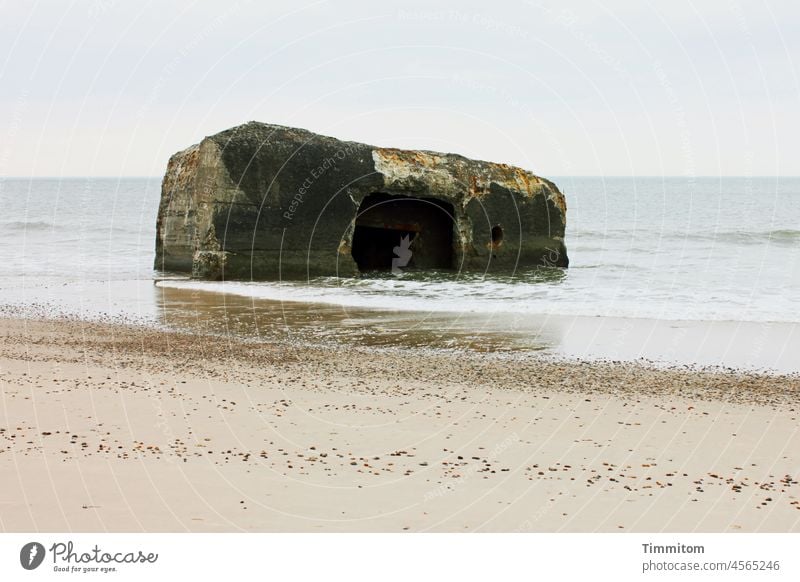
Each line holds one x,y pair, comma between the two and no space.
746,345
113,428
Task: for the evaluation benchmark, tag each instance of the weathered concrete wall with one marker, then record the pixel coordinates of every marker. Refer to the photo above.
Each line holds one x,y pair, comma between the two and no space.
262,201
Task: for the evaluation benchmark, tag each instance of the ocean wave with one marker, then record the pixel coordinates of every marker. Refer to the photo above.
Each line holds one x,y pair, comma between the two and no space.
95,229
22,225
776,236
786,234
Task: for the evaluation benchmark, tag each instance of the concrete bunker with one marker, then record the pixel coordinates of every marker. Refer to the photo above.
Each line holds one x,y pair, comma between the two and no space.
384,221
267,202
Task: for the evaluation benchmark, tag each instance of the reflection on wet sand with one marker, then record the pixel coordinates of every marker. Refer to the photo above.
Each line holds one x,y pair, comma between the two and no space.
200,311
755,346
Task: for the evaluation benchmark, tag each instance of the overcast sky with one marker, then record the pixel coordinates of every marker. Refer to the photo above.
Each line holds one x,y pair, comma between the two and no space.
609,87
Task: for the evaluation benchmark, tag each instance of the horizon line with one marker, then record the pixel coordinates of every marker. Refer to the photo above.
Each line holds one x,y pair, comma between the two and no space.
548,176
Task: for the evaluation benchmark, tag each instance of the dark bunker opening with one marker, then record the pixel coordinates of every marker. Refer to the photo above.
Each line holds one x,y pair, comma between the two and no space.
383,223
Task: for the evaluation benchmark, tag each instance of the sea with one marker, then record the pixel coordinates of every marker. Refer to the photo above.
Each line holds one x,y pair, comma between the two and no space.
669,271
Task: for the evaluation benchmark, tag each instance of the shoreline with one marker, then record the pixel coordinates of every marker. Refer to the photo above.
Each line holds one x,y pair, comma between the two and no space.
117,428
751,347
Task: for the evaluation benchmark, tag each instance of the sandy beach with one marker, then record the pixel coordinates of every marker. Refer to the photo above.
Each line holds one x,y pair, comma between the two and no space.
114,428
